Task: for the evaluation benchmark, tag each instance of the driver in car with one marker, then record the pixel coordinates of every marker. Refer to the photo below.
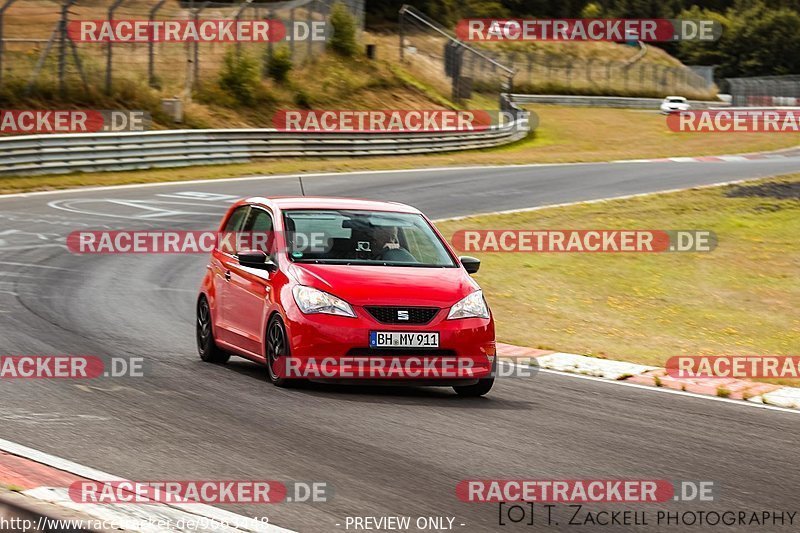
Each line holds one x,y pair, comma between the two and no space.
387,246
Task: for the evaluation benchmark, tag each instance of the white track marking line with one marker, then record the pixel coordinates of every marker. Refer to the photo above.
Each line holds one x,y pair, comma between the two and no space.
599,200
36,266
664,390
198,509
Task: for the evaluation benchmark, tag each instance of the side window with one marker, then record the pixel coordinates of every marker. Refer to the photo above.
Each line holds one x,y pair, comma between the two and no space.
259,230
233,225
235,222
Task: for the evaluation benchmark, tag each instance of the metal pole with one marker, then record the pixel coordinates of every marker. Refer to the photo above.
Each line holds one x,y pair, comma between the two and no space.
310,9
291,37
151,67
2,43
62,52
109,61
196,66
237,16
402,32
270,48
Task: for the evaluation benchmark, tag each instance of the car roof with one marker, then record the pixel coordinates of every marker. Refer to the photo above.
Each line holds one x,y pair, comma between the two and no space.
675,98
285,203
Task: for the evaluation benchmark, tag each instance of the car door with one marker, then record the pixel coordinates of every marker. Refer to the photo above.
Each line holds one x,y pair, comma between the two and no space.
249,290
221,260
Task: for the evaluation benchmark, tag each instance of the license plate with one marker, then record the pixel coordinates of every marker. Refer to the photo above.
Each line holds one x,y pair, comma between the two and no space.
403,339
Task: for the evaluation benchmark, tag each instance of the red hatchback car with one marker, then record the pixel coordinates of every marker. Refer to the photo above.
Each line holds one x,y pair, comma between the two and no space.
343,290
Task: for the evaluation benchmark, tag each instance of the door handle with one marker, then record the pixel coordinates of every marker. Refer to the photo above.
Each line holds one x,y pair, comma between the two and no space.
227,275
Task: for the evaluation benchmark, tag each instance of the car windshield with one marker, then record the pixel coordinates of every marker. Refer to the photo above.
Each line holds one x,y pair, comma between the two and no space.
363,237
676,100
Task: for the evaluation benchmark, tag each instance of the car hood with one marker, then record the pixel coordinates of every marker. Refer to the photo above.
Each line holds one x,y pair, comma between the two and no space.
387,285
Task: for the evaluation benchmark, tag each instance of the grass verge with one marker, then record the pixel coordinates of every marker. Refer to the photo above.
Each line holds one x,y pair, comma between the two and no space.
742,298
564,135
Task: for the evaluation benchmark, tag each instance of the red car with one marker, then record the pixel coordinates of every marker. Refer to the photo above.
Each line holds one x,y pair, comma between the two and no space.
344,290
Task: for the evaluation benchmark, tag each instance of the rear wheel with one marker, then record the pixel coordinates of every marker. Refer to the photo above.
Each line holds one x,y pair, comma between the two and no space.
277,351
206,347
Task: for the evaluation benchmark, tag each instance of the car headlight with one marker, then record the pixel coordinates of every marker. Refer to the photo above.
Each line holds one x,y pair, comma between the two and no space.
311,300
473,306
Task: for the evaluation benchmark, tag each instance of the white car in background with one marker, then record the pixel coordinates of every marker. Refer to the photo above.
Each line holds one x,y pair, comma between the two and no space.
674,104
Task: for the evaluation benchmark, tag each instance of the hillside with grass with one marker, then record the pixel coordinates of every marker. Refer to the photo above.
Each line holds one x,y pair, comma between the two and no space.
223,85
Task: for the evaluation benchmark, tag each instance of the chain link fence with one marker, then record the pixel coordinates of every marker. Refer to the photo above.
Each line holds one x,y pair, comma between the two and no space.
764,91
542,72
35,47
429,50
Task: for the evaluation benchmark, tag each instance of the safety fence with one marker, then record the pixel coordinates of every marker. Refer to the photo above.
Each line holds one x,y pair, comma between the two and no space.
764,91
85,152
36,45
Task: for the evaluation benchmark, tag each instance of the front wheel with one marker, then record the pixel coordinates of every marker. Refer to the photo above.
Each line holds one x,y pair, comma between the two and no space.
483,386
206,347
277,352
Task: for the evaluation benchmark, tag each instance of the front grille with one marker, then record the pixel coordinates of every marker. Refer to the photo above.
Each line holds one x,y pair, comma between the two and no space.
397,315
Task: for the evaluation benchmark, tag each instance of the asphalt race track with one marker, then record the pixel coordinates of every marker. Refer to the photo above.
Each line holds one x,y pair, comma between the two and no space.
387,452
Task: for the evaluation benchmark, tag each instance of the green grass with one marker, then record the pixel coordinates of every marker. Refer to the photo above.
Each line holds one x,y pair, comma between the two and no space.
742,298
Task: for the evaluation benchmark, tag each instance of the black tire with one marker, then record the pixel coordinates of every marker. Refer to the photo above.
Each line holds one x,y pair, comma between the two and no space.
482,387
206,347
277,347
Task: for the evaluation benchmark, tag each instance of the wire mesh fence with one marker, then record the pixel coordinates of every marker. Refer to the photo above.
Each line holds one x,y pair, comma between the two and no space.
546,72
35,45
764,91
430,50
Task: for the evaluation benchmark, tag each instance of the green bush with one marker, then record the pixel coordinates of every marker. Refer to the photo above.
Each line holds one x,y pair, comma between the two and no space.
279,64
343,40
302,99
240,78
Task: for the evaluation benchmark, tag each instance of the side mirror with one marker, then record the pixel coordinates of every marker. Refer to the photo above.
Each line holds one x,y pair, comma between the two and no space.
256,259
471,264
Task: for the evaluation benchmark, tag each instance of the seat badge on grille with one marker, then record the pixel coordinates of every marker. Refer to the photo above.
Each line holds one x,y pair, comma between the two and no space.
402,314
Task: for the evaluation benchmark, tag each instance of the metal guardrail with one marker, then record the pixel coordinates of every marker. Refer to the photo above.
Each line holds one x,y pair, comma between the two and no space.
87,152
605,101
